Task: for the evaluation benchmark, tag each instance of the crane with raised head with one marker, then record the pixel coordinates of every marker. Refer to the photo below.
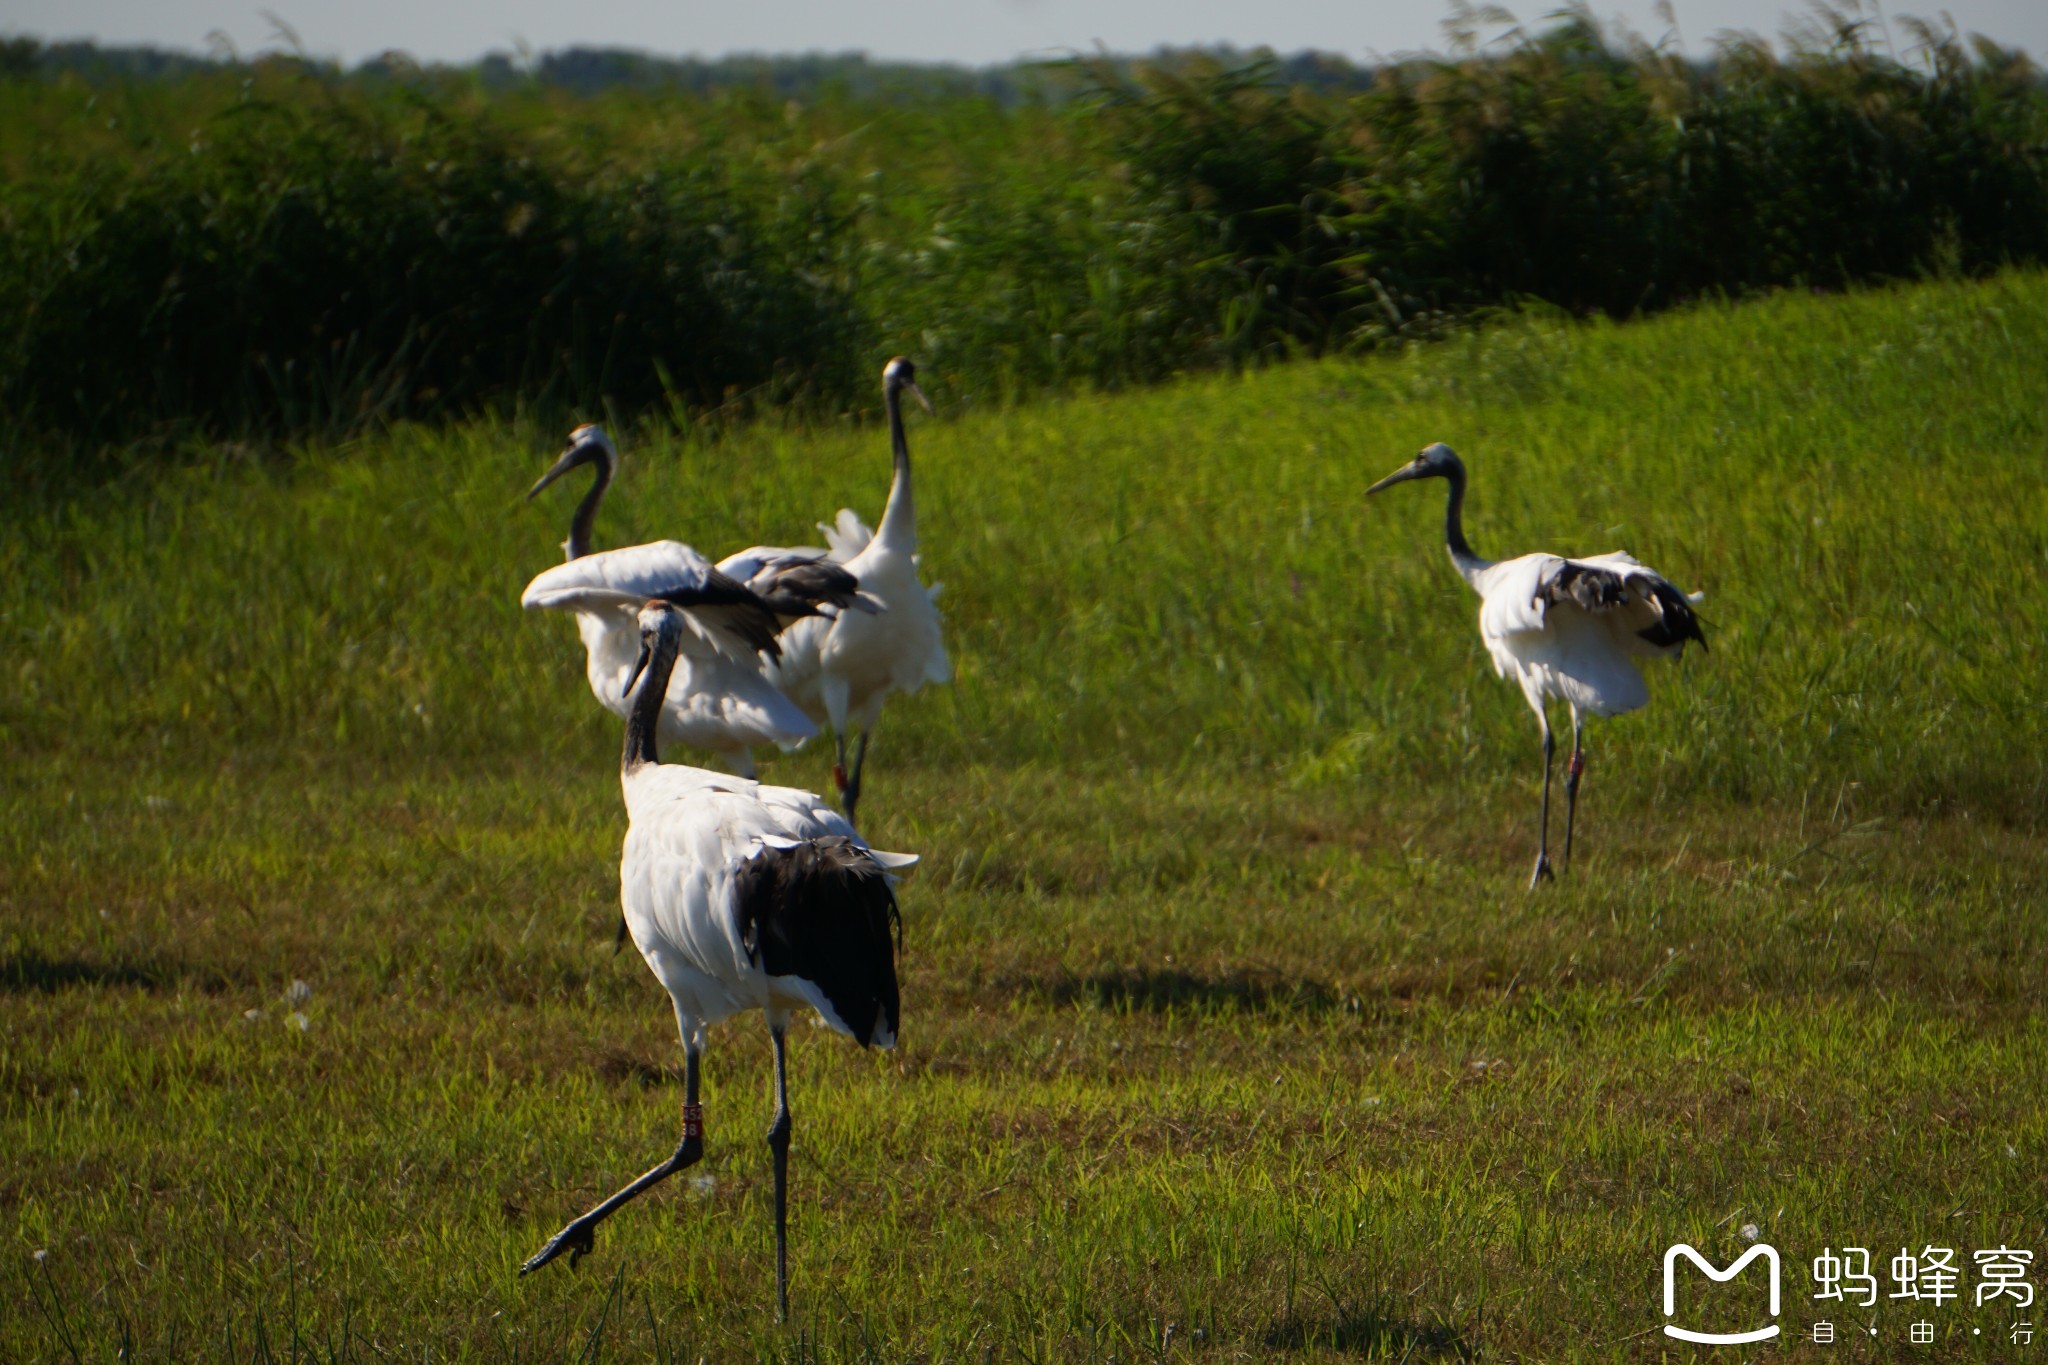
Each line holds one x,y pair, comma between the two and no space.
842,669
1563,629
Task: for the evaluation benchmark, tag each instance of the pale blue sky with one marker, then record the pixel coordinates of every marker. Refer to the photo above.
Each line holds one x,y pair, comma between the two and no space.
973,31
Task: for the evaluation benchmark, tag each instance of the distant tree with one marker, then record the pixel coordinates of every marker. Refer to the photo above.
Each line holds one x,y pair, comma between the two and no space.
19,56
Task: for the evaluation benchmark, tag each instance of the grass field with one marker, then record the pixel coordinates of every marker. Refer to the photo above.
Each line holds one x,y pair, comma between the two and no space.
1230,1031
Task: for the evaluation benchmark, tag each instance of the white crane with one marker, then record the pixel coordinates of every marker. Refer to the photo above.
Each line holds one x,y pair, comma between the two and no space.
720,699
1569,629
741,897
842,669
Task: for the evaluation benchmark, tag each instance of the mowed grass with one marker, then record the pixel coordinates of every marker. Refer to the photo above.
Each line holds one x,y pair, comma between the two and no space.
1230,1029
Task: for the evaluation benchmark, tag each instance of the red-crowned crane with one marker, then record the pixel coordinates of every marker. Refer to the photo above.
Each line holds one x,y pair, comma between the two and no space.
719,699
741,897
1564,629
842,669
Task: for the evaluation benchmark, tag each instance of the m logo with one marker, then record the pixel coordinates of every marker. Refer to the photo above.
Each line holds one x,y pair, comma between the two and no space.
1677,1249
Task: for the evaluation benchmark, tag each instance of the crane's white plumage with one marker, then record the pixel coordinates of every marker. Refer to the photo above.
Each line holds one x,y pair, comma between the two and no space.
690,835
1555,646
741,896
1570,630
719,699
691,832
843,670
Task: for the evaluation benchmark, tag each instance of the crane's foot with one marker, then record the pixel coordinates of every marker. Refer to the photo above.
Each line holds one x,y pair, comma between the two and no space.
577,1239
1542,873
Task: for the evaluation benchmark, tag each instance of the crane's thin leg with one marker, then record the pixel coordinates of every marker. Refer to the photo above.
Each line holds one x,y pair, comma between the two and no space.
1572,770
839,767
849,790
778,1143
578,1238
1542,872
833,692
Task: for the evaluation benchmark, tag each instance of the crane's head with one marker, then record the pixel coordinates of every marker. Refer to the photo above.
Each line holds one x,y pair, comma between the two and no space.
900,374
661,627
587,445
1437,461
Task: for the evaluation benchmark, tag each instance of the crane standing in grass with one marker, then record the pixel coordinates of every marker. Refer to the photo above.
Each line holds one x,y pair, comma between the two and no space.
841,670
720,699
1569,629
741,896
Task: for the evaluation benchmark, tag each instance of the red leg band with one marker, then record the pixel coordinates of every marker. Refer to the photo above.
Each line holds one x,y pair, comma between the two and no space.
1578,763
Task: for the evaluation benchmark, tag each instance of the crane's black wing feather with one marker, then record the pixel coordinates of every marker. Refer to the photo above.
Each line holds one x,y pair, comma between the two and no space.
822,910
1600,588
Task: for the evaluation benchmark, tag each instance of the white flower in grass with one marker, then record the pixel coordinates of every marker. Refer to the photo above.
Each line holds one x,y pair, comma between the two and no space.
252,1015
297,1021
701,1186
298,993
1750,1232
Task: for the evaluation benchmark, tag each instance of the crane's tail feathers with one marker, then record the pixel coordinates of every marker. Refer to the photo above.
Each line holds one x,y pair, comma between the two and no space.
1617,584
1675,623
848,535
821,914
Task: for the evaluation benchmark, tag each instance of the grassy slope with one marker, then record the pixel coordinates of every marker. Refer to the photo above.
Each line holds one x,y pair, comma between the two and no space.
1227,1014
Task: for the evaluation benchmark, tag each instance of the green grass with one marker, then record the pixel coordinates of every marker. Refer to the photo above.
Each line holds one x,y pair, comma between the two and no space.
1230,1030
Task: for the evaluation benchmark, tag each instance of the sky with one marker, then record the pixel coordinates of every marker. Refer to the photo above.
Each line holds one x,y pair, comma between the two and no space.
974,32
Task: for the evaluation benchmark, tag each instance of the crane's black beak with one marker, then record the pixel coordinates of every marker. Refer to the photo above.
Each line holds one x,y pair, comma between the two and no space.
638,668
570,458
1401,475
918,394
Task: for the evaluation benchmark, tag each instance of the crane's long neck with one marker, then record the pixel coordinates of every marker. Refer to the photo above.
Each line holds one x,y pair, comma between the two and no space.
1468,564
578,543
643,720
899,517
